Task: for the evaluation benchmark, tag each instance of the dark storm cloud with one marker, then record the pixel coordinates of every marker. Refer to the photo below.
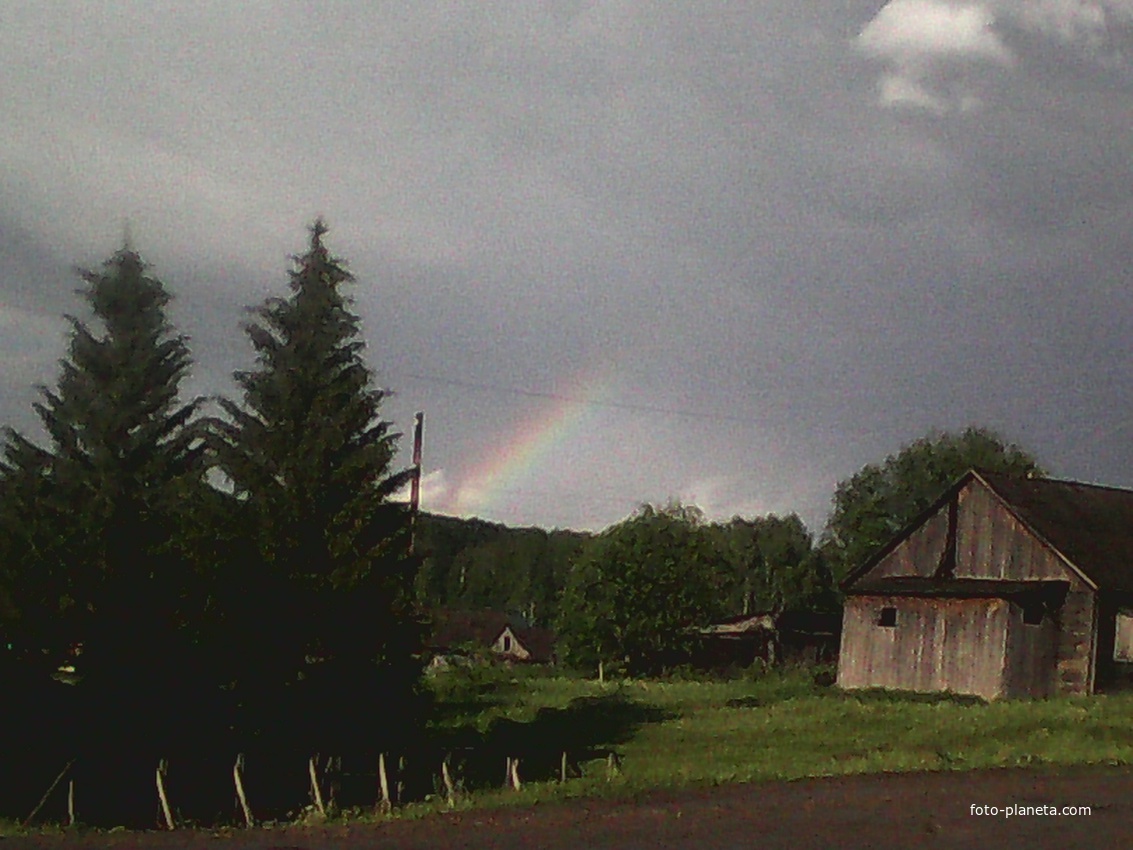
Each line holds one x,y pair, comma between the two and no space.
787,238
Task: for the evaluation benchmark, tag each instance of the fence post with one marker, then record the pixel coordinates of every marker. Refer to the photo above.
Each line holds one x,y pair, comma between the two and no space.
162,767
237,770
613,766
384,804
450,786
315,792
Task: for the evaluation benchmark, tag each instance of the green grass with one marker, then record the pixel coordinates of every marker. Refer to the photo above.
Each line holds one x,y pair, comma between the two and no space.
670,734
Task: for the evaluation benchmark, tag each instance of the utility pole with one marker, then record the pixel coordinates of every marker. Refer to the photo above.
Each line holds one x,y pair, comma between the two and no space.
415,481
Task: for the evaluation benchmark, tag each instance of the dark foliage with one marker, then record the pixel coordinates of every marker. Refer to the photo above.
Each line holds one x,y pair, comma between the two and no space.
92,535
320,626
877,502
469,564
639,588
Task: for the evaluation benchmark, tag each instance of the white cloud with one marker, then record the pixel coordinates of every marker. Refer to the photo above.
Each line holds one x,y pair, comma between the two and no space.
907,30
897,89
922,42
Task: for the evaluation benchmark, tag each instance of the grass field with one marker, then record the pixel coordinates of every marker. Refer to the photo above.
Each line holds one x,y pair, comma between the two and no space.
781,725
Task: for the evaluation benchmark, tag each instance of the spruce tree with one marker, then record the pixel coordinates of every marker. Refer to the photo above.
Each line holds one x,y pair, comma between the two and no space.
91,521
102,497
330,634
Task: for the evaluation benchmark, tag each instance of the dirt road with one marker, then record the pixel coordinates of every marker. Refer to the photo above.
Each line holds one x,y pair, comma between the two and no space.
930,810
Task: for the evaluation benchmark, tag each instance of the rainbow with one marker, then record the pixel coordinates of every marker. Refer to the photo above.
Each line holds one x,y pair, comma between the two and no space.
514,462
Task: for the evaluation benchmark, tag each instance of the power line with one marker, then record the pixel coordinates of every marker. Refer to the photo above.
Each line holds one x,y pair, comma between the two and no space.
617,405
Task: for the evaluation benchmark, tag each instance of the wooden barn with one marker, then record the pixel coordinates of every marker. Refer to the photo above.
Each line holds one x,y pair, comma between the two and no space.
1006,587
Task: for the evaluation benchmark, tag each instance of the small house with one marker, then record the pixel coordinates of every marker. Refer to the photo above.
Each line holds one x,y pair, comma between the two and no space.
488,636
1005,587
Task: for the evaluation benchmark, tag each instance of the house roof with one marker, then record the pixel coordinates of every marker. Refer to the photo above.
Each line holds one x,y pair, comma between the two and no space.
539,642
766,622
1088,525
762,621
454,629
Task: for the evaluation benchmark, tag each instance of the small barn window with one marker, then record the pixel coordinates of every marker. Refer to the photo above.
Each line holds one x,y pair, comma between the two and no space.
507,643
1033,611
887,618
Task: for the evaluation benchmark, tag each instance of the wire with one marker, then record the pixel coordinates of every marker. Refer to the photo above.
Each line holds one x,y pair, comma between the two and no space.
617,405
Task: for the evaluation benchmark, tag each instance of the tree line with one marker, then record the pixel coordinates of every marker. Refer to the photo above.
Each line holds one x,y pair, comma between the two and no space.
631,595
242,582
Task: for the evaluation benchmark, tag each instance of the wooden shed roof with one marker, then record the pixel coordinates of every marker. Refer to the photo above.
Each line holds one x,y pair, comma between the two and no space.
1089,525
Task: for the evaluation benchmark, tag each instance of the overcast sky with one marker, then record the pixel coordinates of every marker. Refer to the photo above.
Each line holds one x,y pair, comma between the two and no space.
727,252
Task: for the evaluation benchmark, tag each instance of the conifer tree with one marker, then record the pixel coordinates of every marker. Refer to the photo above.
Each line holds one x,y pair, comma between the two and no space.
99,503
90,526
331,629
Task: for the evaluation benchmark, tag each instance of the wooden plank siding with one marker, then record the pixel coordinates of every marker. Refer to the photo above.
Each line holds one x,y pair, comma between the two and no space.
992,544
920,553
955,645
1029,663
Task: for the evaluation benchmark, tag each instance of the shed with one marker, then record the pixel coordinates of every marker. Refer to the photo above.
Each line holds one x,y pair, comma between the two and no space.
771,637
1005,587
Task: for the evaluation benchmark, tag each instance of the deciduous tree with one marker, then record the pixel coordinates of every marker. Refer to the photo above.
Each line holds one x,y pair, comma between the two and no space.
772,565
639,589
882,498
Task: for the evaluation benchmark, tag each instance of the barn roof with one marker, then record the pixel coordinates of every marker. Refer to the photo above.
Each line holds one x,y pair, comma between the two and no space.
1090,525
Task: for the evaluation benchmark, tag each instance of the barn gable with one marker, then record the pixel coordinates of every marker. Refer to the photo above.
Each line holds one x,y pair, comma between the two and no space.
970,533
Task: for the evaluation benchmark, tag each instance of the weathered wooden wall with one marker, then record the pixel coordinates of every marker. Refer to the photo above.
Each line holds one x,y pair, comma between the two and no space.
920,553
992,544
955,645
1029,665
